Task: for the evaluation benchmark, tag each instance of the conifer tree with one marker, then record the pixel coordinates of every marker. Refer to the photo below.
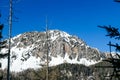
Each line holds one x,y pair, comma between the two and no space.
2,45
113,32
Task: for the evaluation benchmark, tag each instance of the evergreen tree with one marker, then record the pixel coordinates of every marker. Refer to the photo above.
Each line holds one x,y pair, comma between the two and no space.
113,32
2,45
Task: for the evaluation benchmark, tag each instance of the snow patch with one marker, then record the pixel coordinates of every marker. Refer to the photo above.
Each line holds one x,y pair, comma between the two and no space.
59,60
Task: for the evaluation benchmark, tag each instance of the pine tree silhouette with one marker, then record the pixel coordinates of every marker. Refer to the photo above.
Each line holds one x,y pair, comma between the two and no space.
113,32
2,43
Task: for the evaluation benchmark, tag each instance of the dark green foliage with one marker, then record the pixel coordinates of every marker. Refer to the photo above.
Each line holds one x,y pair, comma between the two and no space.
113,32
64,71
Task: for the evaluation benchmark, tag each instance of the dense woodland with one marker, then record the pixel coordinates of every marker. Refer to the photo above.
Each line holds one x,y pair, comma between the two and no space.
64,71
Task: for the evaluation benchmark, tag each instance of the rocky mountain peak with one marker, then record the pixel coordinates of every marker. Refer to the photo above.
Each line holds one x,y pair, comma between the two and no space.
29,50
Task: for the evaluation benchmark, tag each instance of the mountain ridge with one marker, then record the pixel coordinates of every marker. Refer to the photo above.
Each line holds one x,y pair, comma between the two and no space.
29,50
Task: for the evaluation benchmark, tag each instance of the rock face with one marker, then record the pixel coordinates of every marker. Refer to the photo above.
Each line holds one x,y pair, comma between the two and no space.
29,50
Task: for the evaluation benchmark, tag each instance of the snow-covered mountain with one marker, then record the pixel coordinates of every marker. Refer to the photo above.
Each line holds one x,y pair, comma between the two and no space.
29,50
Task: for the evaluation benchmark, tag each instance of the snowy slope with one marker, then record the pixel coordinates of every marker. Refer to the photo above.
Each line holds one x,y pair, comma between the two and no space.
29,51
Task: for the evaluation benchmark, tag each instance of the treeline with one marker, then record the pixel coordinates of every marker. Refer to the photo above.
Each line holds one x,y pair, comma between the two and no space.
64,72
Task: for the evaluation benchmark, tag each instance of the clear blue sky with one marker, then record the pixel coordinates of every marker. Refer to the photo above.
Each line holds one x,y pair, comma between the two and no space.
77,17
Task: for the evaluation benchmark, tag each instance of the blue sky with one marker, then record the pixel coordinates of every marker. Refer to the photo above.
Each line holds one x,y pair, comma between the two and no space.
76,17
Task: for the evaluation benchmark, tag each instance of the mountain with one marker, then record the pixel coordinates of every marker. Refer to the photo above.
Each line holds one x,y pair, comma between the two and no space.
29,50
